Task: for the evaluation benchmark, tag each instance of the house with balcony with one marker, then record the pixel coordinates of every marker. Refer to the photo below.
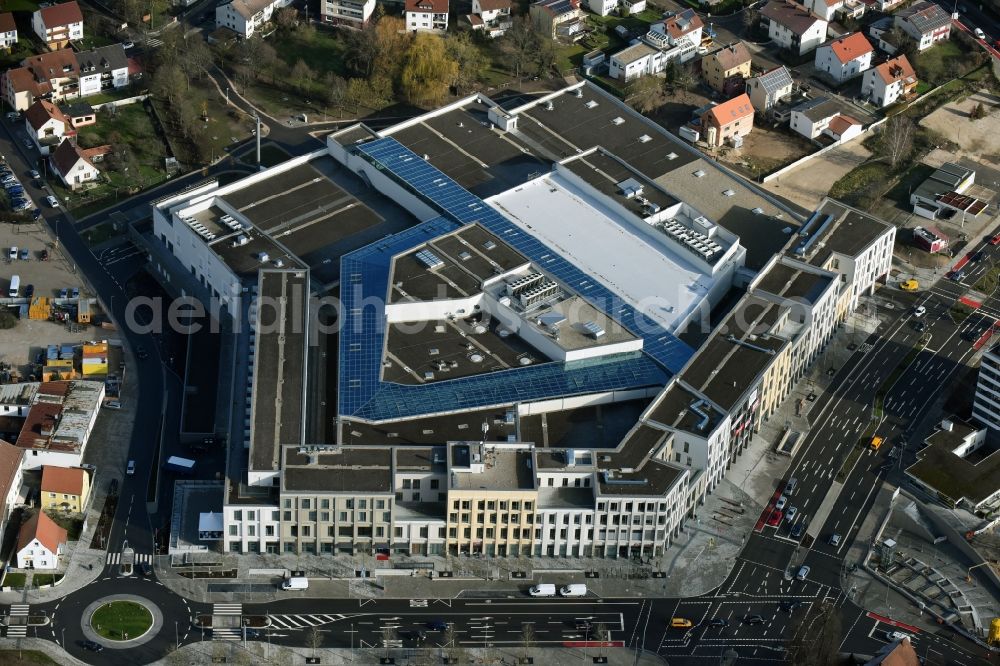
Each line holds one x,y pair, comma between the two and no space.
349,13
52,76
925,23
103,68
46,124
490,16
677,38
8,31
58,25
73,166
559,19
793,26
727,69
427,16
890,82
245,17
845,57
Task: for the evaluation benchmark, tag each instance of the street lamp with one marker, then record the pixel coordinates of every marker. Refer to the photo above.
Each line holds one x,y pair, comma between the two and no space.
177,640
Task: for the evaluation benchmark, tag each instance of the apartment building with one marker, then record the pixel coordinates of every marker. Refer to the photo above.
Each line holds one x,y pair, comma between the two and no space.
351,13
245,17
845,57
793,27
427,16
727,69
58,25
986,404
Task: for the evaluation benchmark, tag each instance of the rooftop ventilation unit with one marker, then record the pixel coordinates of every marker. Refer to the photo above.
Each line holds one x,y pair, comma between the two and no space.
728,193
594,329
645,138
490,245
263,256
671,156
240,240
758,211
515,287
579,93
700,173
549,106
630,188
610,480
591,104
464,256
618,121
696,408
429,259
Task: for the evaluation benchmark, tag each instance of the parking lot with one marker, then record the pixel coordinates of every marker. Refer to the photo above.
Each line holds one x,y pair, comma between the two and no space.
47,277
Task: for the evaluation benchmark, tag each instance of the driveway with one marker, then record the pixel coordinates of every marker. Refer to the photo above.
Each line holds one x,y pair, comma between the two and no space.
805,185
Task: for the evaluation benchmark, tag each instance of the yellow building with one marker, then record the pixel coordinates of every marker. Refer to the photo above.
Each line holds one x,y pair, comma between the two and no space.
726,69
64,488
492,498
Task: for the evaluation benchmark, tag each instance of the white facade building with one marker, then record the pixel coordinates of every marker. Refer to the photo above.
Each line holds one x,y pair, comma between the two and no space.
986,404
845,57
793,26
427,16
245,17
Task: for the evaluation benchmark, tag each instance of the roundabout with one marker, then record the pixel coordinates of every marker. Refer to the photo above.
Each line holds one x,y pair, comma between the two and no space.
121,621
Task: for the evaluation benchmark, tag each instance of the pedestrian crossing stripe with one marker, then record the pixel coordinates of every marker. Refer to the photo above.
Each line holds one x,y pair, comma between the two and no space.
227,609
19,609
18,630
140,558
227,633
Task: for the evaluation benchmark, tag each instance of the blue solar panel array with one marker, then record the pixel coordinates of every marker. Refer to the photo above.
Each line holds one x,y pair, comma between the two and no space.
454,201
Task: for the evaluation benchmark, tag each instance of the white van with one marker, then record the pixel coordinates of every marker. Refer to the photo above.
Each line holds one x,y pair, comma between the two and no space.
574,590
543,590
15,286
295,583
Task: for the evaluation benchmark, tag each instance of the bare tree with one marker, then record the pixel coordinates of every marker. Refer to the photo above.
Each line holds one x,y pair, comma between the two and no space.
314,639
896,142
602,635
644,94
527,637
452,648
520,41
389,636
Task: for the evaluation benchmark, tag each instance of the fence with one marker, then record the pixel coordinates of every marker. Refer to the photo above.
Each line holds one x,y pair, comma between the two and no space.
822,151
121,102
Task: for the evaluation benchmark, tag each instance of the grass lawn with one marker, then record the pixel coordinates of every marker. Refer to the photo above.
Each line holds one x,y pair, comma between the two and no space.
20,6
25,658
323,51
852,185
23,49
135,127
118,619
988,283
93,41
114,95
15,580
944,61
96,235
40,579
909,181
959,312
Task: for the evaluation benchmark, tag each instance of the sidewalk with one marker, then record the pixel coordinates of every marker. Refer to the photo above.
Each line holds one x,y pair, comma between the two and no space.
257,652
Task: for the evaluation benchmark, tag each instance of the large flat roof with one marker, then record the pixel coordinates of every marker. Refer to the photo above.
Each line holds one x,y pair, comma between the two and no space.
975,480
605,249
432,429
277,413
848,232
503,469
337,469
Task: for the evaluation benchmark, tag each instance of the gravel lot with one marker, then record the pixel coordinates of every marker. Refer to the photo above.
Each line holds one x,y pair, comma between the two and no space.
978,139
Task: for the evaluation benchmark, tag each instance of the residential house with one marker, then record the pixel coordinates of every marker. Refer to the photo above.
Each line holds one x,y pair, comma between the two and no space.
881,32
822,115
845,57
925,22
79,114
676,38
11,476
245,17
45,123
602,7
630,7
53,75
8,31
58,25
40,543
726,70
770,88
65,488
427,15
103,68
351,13
886,6
889,82
72,166
562,19
490,16
793,27
727,122
825,9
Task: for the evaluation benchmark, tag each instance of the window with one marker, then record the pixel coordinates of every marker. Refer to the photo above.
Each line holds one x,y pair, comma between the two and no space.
406,484
288,516
362,504
343,516
416,484
434,484
305,504
232,530
237,515
379,504
251,515
53,495
324,504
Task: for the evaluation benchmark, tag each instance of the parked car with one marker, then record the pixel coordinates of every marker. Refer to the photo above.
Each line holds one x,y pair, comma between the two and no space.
753,619
93,646
128,45
52,201
130,468
789,606
25,254
64,293
797,530
775,518
718,622
780,504
791,513
979,33
803,572
45,255
12,254
34,174
29,291
35,214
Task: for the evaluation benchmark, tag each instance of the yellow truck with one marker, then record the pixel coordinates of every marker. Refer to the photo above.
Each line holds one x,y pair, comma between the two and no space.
909,285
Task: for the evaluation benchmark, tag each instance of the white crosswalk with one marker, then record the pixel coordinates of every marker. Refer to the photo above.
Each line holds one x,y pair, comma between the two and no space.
140,558
301,621
227,633
20,630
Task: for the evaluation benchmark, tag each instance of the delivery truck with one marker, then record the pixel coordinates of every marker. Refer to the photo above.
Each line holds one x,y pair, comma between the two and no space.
179,465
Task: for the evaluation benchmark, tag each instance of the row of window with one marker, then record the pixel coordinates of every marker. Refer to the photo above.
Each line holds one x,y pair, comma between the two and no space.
307,503
491,505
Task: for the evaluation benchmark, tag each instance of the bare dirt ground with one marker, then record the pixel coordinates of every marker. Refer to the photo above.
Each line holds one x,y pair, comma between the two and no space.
810,182
765,150
978,139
